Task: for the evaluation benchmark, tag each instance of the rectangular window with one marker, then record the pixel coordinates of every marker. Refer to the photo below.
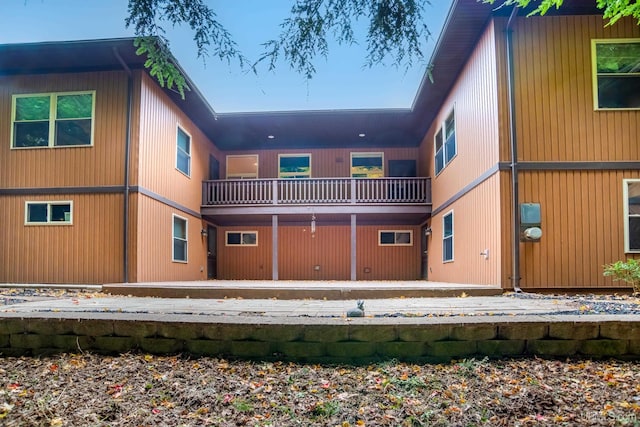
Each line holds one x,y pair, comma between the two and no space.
179,252
52,120
395,238
38,213
367,165
242,238
445,148
242,167
631,193
616,70
183,156
447,237
294,166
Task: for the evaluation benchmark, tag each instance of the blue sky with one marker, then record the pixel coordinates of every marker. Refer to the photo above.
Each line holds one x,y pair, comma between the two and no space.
340,83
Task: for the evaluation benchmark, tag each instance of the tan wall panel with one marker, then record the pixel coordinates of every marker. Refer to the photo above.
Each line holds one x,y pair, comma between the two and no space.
376,262
476,228
88,251
299,252
245,262
556,120
102,164
155,243
324,163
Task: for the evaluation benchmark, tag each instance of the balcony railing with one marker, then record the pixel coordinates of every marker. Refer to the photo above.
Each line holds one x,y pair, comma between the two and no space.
336,191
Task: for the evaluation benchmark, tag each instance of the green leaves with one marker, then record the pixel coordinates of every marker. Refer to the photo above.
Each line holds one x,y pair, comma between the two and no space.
627,271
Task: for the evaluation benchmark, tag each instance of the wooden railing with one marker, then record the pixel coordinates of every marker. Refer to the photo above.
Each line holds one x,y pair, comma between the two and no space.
234,192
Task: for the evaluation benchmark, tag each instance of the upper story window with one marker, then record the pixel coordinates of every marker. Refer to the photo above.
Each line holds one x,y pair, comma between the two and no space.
183,156
39,213
52,120
631,192
294,166
445,143
616,68
447,237
242,166
367,165
180,243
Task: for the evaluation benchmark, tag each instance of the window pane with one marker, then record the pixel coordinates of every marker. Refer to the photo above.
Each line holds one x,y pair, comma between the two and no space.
179,228
439,160
179,250
618,57
619,91
450,126
242,166
367,165
37,212
295,165
387,238
74,106
403,238
184,142
439,140
61,213
183,162
450,148
249,238
634,198
448,225
31,134
73,132
447,249
233,238
32,108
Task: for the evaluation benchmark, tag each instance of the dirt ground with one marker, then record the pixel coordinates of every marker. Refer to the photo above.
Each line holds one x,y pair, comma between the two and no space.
144,390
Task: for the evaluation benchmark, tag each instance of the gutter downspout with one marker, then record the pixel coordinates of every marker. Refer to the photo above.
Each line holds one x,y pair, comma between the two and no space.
127,188
513,142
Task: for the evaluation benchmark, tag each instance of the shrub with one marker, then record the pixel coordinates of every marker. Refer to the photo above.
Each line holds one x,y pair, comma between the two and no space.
627,271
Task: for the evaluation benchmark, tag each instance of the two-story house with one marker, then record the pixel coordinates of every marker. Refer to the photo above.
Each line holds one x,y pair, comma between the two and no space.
517,165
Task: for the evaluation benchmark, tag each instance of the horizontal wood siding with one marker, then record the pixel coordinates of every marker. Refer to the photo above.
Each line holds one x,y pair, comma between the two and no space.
245,262
89,251
327,163
582,226
300,251
100,165
154,235
477,223
375,262
555,113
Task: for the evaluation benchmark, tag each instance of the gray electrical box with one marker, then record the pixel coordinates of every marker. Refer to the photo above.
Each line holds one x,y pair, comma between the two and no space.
530,222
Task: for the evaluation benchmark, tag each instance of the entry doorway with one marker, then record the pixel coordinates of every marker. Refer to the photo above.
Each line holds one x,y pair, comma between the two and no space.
424,255
212,252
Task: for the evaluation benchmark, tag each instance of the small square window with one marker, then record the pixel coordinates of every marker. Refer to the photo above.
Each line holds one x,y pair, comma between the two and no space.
183,155
48,213
242,238
395,238
294,166
367,165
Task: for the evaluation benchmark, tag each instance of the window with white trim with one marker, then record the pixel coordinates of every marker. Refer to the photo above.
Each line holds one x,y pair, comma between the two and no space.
243,166
445,148
616,74
631,194
294,166
447,237
52,120
183,152
241,238
55,213
395,238
367,165
180,243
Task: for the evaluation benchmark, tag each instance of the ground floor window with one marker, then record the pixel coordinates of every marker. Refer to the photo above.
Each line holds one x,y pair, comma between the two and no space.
48,213
631,190
447,237
395,238
179,239
242,238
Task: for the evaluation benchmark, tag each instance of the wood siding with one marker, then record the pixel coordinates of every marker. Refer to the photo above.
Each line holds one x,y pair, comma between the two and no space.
89,251
376,262
99,165
245,262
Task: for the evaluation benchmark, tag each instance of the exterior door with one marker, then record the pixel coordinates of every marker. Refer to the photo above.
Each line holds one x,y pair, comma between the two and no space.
212,251
424,264
214,168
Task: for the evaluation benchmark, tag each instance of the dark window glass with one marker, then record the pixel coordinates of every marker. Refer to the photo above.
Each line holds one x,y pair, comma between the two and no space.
387,238
249,238
61,213
31,134
37,212
234,238
73,132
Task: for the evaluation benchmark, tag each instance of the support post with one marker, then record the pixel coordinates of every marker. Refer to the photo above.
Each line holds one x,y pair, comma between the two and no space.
274,248
353,248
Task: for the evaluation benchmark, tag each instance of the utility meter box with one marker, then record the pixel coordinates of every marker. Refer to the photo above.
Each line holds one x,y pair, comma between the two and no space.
530,222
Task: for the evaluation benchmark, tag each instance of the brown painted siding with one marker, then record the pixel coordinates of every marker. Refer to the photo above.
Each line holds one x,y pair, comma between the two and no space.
299,252
376,262
324,163
555,112
476,228
88,251
100,165
245,262
154,237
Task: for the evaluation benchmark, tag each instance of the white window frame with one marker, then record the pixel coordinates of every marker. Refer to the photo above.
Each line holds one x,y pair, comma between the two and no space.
243,175
442,131
185,240
595,74
445,237
50,204
627,215
365,154
395,237
241,233
53,96
179,150
294,174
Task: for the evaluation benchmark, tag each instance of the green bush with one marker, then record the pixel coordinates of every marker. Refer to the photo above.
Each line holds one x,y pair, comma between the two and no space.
627,271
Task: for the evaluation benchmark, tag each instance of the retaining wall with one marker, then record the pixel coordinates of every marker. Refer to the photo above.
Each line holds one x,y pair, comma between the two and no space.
331,340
